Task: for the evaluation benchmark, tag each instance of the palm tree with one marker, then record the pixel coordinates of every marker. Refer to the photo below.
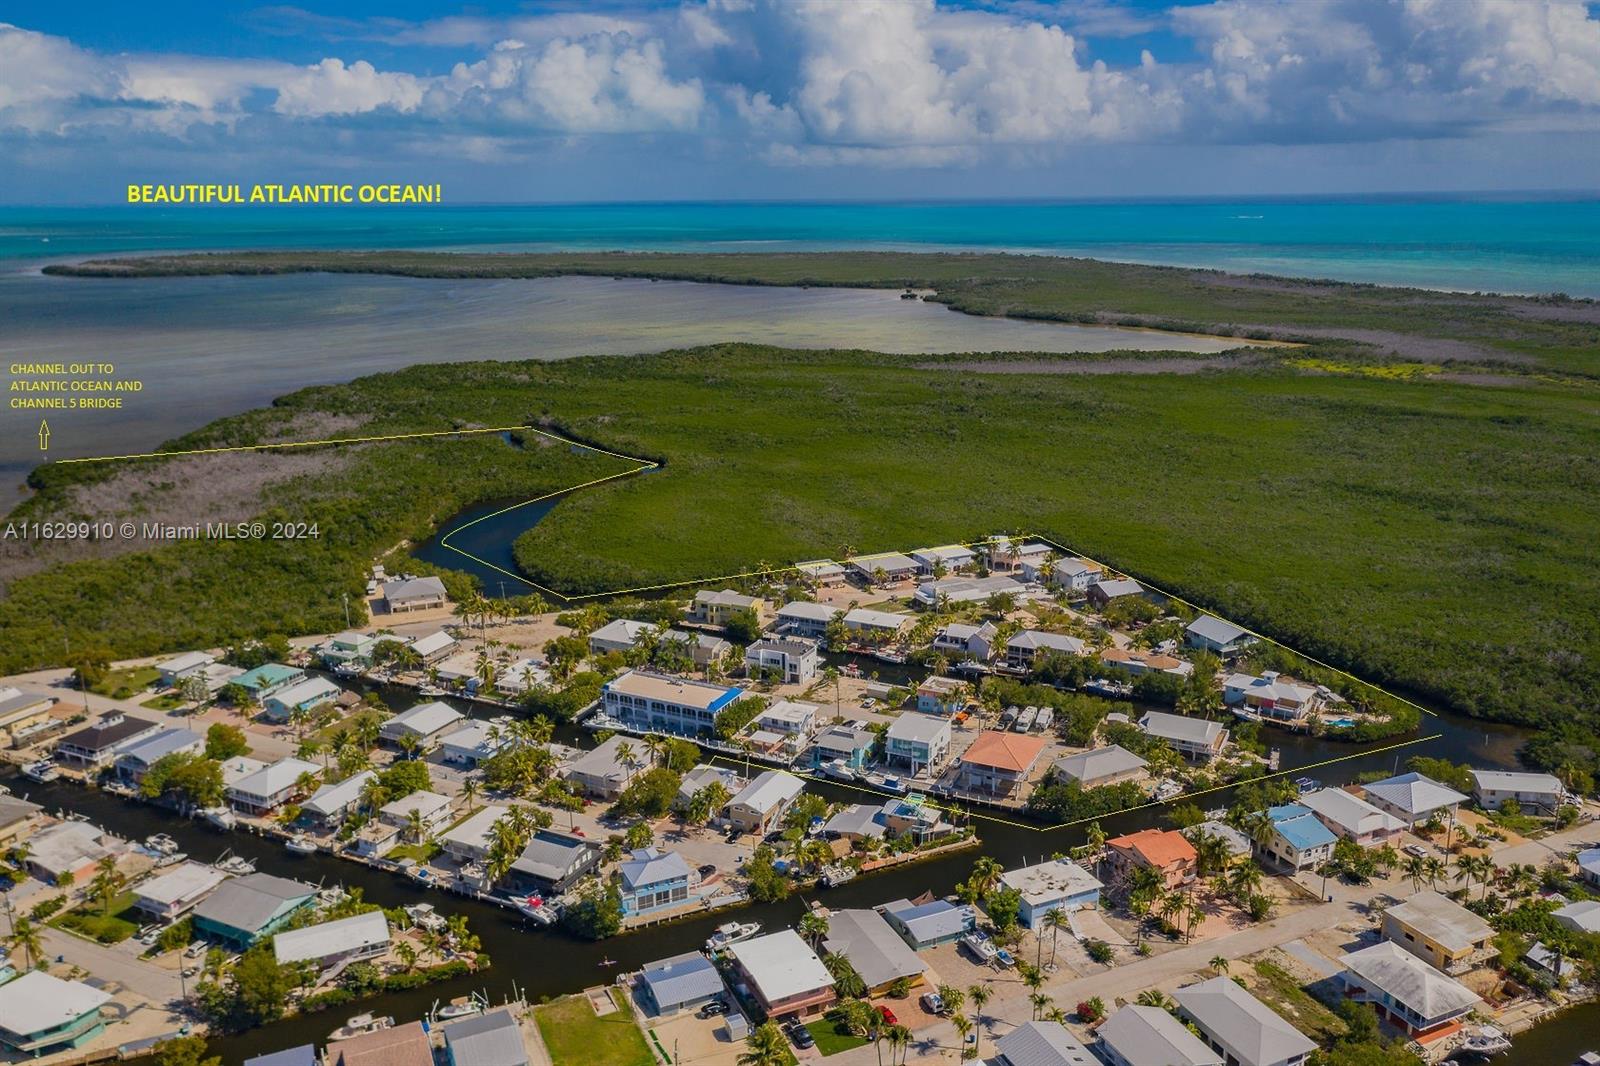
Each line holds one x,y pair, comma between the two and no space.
952,997
107,882
1218,964
655,744
415,826
899,1040
1054,921
979,995
1153,997
469,789
846,980
25,938
1415,867
964,1029
1041,1003
1434,868
766,1046
813,928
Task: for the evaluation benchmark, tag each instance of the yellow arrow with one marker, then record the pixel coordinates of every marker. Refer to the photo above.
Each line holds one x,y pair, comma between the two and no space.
44,435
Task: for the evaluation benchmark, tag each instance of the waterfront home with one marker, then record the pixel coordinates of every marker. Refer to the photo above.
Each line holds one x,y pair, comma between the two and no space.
652,879
242,912
1057,885
417,815
821,573
1299,839
999,764
238,768
1024,650
18,818
1165,850
1245,1030
458,669
942,695
469,841
1217,636
330,944
662,704
553,861
172,893
1137,661
1193,738
927,925
716,608
794,660
873,948
374,838
1099,766
952,590
918,742
790,717
1406,991
433,647
680,983
784,975
304,1055
1414,798
268,678
1439,931
400,1045
299,697
947,556
69,848
701,777
23,716
843,742
493,1038
1533,793
180,667
857,821
425,724
883,568
1007,554
1271,696
1072,576
328,805
41,1013
413,594
1589,865
602,772
864,623
801,618
1041,1044
1582,916
1352,817
620,634
97,745
474,743
134,760
701,647
350,647
965,641
1552,964
273,785
1103,592
1239,847
762,803
520,678
914,817
1149,1036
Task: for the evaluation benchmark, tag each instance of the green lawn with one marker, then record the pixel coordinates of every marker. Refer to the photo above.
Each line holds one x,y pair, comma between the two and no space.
165,703
114,928
125,684
576,1036
421,852
832,1039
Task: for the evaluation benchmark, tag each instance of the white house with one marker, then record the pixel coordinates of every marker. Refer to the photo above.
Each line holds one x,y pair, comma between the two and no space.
271,786
171,893
1414,798
1271,696
1072,576
475,742
425,723
877,625
179,667
1405,990
469,841
967,589
1195,738
413,594
1532,792
1244,1029
1057,885
918,742
805,619
1024,649
794,659
431,808
434,647
329,804
886,568
1352,817
362,936
1220,637
305,695
761,803
619,634
948,556
963,640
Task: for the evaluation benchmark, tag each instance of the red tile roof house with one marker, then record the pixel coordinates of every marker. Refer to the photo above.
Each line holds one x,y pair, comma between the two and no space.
999,764
1166,850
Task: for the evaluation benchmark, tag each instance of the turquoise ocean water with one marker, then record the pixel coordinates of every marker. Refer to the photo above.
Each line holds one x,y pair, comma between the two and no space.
1499,244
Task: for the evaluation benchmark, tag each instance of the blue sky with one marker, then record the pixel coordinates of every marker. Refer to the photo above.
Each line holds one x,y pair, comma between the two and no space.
817,99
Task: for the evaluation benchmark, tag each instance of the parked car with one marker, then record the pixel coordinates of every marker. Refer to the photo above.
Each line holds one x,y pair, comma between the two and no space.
1416,850
801,1037
714,1009
933,1003
887,1015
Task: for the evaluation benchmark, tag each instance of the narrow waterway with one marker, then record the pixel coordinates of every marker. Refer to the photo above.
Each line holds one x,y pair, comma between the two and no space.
536,962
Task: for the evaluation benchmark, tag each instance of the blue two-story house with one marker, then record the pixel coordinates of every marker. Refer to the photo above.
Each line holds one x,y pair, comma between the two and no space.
652,879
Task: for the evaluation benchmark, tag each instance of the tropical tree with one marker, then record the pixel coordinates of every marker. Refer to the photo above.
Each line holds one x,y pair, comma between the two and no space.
766,1046
25,938
106,884
1218,964
1055,920
846,981
953,997
979,996
813,928
1154,997
963,1026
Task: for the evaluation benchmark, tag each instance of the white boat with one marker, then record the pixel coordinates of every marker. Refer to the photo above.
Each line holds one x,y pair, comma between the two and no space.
981,946
359,1025
540,910
731,933
460,1008
300,844
431,690
347,670
1168,790
161,844
220,817
1486,1042
836,875
839,770
891,783
421,874
171,859
423,916
42,771
235,864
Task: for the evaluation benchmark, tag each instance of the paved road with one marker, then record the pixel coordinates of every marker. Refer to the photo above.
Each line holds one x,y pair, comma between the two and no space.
143,979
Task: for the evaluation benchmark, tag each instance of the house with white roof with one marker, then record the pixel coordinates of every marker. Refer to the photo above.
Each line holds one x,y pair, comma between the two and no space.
1351,817
68,848
864,623
918,742
963,640
329,944
785,976
821,573
1405,990
602,772
794,659
1148,1036
1439,931
1534,793
1072,576
469,841
41,1013
1245,1030
350,647
883,568
662,703
1589,865
1582,916
1271,696
424,809
434,647
701,777
619,634
272,786
1099,766
1057,885
475,742
942,695
967,589
762,803
425,723
1193,738
1024,649
305,695
521,677
927,925
683,982
1103,592
174,891
179,667
1008,554
790,717
413,594
716,608
1219,637
948,556
1041,1044
802,618
329,805
1413,798
135,760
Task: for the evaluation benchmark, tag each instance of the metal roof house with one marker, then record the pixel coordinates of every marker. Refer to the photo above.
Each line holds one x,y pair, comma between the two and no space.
844,742
98,744
1149,1036
1057,885
926,925
40,1013
167,895
763,801
475,742
300,696
652,879
803,618
1103,592
864,621
600,772
413,594
1589,865
619,634
716,608
1217,636
362,936
1299,839
189,663
1413,798
1099,766
271,786
1042,1044
666,704
884,567
247,909
1352,817
490,1039
784,975
1410,993
330,803
1024,649
553,861
683,982
1582,916
877,952
1532,792
134,760
426,723
1239,1025
469,841
1194,738
967,589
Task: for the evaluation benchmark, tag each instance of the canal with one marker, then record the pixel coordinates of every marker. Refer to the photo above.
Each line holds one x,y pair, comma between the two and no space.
535,962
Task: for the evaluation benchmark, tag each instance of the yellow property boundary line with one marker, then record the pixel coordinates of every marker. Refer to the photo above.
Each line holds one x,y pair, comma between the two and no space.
644,465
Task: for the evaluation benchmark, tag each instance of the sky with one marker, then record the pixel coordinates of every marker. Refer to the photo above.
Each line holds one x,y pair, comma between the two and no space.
803,99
